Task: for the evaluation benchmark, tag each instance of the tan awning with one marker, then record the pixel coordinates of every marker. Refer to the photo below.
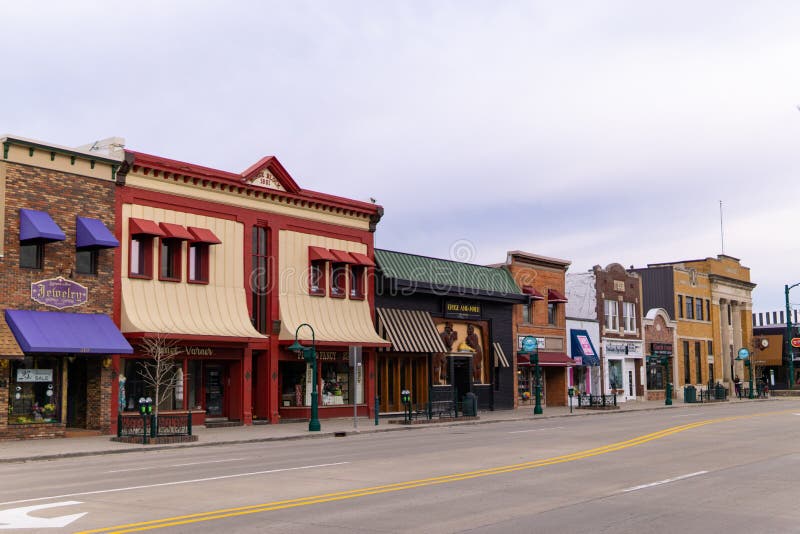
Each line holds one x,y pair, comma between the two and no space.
218,308
500,359
334,320
410,330
9,348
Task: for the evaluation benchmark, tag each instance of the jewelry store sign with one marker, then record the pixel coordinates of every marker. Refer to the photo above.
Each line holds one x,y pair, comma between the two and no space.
59,293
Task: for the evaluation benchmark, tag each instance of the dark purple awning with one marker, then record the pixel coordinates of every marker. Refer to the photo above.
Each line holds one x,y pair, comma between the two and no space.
92,233
80,333
38,225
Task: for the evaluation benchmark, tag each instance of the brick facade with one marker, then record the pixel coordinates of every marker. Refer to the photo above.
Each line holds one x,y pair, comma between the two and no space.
33,180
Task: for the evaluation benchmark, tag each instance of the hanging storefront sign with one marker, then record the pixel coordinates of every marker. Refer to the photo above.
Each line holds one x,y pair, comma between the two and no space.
59,293
632,349
455,309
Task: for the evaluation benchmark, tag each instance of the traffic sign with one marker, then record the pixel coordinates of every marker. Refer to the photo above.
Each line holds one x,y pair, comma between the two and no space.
796,342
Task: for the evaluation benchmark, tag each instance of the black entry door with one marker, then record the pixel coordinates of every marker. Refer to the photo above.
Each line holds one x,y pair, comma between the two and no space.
215,392
76,392
462,376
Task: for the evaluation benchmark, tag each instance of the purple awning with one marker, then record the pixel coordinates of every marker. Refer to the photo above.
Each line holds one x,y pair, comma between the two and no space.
38,225
92,233
80,333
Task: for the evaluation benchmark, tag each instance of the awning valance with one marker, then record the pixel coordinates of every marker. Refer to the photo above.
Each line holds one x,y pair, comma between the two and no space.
583,348
92,233
343,257
409,330
547,359
144,227
553,295
532,292
500,359
38,225
61,332
362,259
320,254
203,235
175,231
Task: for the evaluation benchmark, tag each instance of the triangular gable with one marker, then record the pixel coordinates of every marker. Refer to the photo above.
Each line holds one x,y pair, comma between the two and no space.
268,173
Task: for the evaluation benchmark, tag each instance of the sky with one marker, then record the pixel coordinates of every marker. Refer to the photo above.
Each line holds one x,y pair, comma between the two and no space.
593,131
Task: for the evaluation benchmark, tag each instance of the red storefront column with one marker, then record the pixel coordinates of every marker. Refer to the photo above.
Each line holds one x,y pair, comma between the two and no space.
247,387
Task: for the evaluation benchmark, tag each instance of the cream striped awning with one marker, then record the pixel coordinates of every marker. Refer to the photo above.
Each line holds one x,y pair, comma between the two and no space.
500,359
409,330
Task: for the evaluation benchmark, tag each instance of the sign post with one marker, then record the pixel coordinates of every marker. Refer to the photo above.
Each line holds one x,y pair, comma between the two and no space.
355,362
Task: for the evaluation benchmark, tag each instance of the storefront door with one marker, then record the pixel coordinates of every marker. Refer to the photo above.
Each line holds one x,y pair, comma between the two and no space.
216,377
396,373
462,376
76,392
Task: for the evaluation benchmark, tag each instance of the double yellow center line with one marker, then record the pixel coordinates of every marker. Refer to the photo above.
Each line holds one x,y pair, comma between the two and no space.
400,486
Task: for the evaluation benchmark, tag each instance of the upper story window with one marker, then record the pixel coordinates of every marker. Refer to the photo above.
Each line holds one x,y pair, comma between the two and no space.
259,279
680,306
610,315
708,310
552,314
171,250
526,312
357,282
318,258
200,254
86,261
629,316
689,307
338,280
698,309
36,228
140,252
554,297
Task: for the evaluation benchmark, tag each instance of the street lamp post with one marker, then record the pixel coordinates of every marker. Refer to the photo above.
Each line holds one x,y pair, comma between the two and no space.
310,356
537,409
668,392
790,379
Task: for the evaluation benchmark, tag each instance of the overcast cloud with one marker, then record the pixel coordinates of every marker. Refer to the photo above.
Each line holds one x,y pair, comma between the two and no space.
596,132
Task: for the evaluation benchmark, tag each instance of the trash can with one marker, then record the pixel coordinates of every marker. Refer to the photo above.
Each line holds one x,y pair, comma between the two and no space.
470,405
689,394
719,392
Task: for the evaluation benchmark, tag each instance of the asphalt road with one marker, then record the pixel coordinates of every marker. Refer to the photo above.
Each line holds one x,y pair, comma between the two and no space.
720,468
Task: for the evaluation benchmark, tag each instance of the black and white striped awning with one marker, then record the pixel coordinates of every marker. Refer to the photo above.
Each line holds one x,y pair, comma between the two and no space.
409,330
500,359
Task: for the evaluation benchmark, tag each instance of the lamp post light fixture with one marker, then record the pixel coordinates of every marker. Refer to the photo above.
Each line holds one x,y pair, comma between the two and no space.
789,335
530,346
744,354
668,388
310,356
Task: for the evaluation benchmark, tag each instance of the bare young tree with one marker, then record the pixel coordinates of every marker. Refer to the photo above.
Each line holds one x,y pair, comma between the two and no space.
160,370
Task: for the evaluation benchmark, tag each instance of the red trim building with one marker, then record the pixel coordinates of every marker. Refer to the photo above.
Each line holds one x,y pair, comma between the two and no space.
225,267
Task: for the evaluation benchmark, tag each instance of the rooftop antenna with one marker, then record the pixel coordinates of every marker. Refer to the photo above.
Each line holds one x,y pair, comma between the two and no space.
721,232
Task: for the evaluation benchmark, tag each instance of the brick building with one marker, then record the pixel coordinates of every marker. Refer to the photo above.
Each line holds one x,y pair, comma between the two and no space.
544,317
659,342
56,279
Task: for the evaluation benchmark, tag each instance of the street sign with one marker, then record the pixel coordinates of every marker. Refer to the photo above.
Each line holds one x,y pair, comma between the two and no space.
744,354
796,342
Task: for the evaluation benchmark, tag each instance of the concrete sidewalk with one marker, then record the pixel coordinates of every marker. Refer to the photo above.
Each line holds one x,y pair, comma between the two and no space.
48,449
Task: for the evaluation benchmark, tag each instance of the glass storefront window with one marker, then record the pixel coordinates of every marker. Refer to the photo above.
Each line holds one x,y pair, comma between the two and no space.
293,383
335,383
136,386
35,390
615,374
655,375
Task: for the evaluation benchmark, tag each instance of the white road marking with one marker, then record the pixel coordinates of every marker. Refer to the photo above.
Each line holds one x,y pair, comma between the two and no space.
535,430
15,518
175,465
175,483
667,481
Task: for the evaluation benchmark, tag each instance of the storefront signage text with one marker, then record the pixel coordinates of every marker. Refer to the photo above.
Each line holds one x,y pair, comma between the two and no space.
59,293
661,349
462,310
34,375
328,356
619,347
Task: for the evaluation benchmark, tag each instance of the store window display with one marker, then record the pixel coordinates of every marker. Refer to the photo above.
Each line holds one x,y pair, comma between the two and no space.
35,390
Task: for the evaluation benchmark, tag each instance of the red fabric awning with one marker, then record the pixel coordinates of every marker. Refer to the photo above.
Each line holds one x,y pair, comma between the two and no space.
362,259
547,359
532,292
175,231
554,295
144,227
320,254
343,257
204,235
